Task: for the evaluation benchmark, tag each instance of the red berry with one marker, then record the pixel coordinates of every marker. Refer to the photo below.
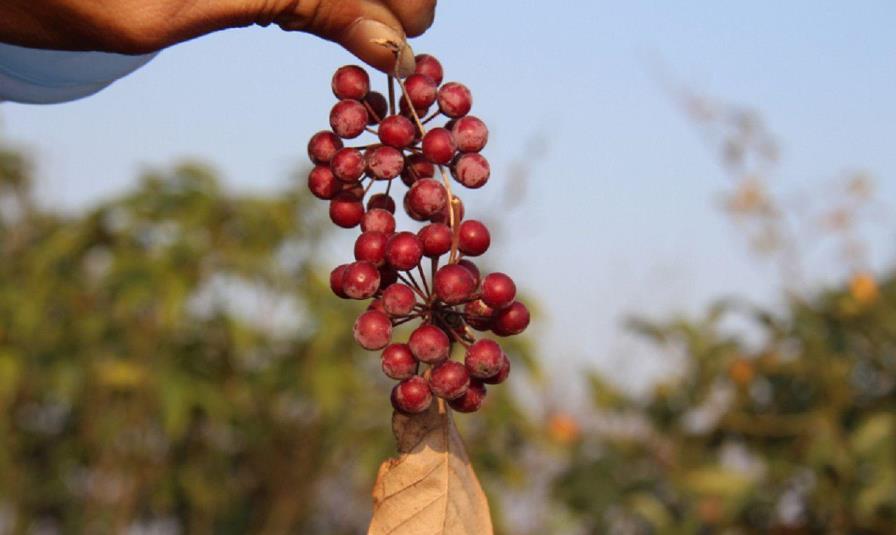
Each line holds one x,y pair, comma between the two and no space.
371,247
501,376
372,330
478,315
472,268
444,217
351,82
436,239
377,107
376,304
399,300
410,211
416,166
427,197
511,320
455,99
322,183
384,162
471,169
470,134
398,362
484,359
449,380
322,146
473,238
360,280
498,290
381,201
353,189
378,220
403,251
336,280
397,131
412,395
438,146
429,344
388,277
429,66
346,210
453,284
348,118
472,398
347,165
421,90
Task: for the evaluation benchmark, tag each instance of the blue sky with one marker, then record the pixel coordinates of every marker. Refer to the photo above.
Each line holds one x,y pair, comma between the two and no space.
620,214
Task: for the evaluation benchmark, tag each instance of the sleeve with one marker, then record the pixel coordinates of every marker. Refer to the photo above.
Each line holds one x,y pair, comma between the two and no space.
36,76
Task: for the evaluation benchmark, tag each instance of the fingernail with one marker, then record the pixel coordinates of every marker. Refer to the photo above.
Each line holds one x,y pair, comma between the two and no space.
373,31
406,63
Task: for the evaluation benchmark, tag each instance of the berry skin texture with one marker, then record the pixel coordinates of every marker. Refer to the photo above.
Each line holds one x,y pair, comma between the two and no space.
360,280
347,165
471,267
436,239
398,362
404,251
455,100
348,118
438,146
398,300
470,134
346,210
416,167
429,66
472,399
484,359
498,290
322,183
371,247
397,131
384,162
381,201
351,82
412,395
449,380
427,197
501,376
422,90
336,278
429,344
478,315
471,169
473,238
378,220
454,284
372,330
322,146
511,320
377,107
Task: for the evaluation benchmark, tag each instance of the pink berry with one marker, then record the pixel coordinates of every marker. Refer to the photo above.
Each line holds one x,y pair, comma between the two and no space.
322,183
473,238
498,290
378,220
502,374
347,165
376,304
436,239
346,210
322,146
471,169
336,280
397,131
372,330
399,300
350,82
478,315
427,197
416,166
455,99
398,362
429,344
429,66
470,134
421,90
511,320
412,395
384,162
472,399
348,118
453,284
360,280
484,359
371,247
381,201
404,250
438,146
449,380
377,107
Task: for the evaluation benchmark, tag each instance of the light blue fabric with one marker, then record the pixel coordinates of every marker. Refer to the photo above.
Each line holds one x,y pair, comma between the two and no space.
48,76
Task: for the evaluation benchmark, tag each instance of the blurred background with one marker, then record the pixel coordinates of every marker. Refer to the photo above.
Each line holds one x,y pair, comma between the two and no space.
697,201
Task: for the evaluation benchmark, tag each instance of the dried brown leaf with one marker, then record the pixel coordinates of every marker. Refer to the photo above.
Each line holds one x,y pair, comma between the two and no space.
430,488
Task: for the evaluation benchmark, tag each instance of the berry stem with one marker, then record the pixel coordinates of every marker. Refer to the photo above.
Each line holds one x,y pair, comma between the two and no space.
423,278
372,112
407,98
391,95
413,285
432,116
451,219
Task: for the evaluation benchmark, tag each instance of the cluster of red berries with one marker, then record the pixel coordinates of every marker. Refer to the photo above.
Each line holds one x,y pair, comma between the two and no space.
451,300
